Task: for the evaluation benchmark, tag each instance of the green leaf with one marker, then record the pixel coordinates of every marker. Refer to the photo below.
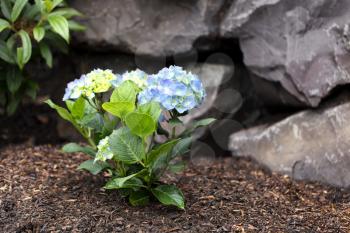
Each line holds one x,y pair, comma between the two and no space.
124,182
31,12
6,8
66,12
12,105
39,4
14,79
140,124
182,147
93,167
203,122
61,111
46,53
74,26
177,167
158,158
169,195
197,124
59,24
152,108
5,53
127,147
139,198
39,33
74,148
56,41
119,109
17,9
55,3
4,24
126,92
78,108
25,52
174,122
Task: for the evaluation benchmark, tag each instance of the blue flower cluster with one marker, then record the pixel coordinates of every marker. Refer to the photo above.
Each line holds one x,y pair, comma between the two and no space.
173,88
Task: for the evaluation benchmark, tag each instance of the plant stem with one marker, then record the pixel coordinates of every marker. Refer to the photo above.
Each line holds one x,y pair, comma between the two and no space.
91,142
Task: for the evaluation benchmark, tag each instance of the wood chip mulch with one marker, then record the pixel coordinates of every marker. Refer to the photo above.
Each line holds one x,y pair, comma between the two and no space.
41,191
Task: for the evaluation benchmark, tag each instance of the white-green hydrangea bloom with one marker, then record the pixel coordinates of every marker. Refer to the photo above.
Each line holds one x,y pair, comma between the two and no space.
100,80
103,150
97,81
137,76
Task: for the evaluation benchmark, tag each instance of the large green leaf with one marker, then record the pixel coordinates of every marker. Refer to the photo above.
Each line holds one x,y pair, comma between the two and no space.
139,198
140,124
46,53
59,25
14,79
38,33
119,109
126,92
25,52
4,24
74,148
169,195
17,9
152,108
93,167
61,111
124,182
127,147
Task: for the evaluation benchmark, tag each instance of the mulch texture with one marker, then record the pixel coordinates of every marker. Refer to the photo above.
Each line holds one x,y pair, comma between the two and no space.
41,191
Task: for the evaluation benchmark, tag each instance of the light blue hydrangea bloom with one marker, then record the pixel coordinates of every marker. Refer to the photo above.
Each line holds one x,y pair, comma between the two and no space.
137,76
77,88
103,150
173,88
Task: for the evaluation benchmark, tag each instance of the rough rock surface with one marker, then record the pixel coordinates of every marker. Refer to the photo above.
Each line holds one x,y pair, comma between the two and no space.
301,44
156,28
311,145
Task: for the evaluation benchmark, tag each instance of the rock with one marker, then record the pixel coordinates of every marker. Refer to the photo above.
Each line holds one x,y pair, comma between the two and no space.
303,45
156,28
311,145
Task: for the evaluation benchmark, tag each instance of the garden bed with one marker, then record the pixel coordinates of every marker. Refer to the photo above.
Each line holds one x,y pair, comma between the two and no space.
41,191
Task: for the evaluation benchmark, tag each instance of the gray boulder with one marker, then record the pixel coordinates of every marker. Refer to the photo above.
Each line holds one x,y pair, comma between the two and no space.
311,145
303,45
156,28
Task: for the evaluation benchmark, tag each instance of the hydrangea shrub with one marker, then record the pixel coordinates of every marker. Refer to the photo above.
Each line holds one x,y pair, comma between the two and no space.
120,115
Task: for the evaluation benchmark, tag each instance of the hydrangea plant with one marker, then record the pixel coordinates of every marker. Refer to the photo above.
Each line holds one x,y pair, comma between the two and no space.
121,131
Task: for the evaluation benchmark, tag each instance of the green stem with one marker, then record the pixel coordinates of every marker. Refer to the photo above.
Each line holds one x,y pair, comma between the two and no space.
91,142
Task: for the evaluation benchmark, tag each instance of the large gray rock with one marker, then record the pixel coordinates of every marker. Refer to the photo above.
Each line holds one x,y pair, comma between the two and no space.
143,27
312,145
300,44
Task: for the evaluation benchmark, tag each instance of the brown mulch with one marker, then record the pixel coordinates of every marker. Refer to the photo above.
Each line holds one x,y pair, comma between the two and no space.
41,191
32,124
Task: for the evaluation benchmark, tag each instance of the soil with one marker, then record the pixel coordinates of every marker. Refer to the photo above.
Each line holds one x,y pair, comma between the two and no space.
41,191
32,124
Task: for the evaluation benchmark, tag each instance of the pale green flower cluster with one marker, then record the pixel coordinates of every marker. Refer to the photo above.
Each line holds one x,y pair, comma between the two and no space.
103,150
97,81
